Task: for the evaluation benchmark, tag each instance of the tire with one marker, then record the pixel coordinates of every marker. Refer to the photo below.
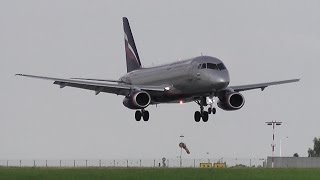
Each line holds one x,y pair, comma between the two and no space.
209,110
146,115
205,116
197,116
214,110
138,115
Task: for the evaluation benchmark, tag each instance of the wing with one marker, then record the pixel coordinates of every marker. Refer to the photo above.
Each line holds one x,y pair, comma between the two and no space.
104,80
119,89
261,86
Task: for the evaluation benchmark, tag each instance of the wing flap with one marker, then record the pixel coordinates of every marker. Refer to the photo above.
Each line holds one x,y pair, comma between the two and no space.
97,89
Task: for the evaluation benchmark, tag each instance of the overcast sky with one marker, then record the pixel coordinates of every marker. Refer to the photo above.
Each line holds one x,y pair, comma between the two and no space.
259,41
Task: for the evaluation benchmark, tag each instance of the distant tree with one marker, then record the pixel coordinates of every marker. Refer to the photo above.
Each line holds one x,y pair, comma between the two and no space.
315,152
316,147
310,153
295,155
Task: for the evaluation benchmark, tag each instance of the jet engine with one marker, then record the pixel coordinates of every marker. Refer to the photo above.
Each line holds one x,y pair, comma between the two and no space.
137,100
230,100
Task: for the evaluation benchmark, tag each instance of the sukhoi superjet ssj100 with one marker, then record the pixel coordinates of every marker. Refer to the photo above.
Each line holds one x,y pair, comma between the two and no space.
199,79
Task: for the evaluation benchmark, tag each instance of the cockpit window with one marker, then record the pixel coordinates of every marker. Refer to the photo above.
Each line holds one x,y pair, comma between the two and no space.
221,66
212,66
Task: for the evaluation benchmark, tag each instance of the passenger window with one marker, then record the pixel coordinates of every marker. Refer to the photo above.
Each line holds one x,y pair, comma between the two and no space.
199,66
204,66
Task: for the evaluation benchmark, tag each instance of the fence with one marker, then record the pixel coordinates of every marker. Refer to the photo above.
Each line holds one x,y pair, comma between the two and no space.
294,162
171,163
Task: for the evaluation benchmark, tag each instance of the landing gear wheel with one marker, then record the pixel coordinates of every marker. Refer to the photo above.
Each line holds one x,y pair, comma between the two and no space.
138,115
205,116
145,115
214,110
197,116
202,102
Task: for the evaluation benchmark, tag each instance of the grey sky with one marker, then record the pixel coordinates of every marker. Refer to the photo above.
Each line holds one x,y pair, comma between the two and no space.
259,41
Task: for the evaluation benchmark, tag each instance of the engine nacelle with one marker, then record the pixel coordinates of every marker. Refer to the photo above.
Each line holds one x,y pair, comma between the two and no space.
231,100
137,100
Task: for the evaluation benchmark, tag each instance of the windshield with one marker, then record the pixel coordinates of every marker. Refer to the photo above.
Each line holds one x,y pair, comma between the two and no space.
212,66
219,66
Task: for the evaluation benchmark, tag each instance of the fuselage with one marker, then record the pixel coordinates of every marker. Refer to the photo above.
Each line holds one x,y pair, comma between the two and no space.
186,78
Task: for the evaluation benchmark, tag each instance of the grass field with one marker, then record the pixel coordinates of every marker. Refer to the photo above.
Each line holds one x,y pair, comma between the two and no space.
155,174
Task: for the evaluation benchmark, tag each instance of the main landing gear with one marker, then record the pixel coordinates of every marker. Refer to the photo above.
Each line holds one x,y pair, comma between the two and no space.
142,113
204,114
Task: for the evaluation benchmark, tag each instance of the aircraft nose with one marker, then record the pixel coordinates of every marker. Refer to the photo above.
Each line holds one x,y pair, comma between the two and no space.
221,81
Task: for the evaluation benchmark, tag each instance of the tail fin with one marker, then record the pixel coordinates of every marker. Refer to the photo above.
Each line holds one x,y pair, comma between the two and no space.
132,56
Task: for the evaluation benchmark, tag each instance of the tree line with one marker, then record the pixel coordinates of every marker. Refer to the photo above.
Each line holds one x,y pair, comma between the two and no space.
315,152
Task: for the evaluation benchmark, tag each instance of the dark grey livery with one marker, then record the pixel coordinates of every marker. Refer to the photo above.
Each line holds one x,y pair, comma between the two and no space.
198,79
132,56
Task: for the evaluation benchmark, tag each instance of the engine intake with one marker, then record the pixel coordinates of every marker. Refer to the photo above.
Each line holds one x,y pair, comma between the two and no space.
231,101
137,100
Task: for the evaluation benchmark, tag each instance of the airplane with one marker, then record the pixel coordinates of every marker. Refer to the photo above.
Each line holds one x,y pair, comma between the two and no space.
199,79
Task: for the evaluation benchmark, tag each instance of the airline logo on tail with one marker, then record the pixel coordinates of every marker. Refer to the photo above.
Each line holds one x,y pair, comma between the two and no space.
132,56
129,50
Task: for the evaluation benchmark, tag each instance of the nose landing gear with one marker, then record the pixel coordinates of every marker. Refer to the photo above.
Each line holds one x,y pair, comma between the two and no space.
212,110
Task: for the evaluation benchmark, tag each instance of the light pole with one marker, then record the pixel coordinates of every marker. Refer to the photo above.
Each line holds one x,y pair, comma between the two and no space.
281,143
181,137
273,124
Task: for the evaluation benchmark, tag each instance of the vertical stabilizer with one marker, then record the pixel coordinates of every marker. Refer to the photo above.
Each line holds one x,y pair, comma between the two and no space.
132,56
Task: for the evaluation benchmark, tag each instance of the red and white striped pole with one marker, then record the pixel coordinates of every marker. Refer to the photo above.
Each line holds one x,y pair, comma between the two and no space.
273,124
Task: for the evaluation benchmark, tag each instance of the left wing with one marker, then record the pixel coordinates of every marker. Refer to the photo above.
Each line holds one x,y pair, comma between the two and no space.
119,89
261,86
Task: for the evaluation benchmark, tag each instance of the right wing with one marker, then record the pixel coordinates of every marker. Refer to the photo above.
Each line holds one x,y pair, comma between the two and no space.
104,80
119,89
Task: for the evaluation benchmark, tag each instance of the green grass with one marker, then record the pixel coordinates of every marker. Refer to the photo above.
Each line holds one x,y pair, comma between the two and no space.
155,174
